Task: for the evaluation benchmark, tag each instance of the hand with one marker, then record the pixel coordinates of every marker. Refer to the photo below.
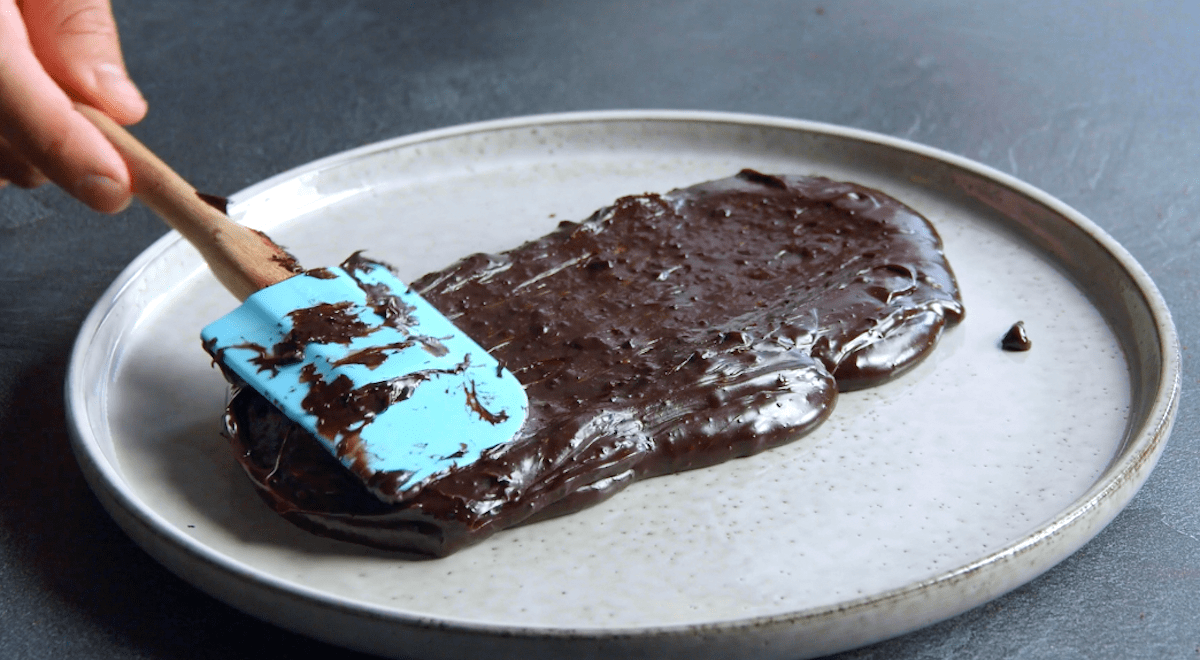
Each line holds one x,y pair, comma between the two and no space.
53,52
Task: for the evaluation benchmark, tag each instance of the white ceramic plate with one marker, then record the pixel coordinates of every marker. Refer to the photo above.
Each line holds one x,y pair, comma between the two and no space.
918,500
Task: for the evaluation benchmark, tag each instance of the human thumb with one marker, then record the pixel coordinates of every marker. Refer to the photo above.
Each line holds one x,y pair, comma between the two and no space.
77,43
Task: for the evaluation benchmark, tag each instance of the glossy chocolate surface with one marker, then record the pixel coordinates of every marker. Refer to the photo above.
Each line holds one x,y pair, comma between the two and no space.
1016,339
664,333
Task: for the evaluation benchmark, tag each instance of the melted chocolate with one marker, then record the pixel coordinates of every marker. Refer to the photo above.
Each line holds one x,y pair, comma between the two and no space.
1016,339
665,333
216,201
327,323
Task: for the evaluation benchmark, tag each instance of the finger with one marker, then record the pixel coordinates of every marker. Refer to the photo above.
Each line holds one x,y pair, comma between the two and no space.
15,169
76,41
40,124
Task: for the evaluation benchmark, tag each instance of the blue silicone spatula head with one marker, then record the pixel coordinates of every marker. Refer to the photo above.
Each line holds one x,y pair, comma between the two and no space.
382,380
385,382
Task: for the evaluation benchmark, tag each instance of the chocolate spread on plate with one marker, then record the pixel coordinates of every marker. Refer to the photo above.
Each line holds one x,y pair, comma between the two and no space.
664,333
1016,339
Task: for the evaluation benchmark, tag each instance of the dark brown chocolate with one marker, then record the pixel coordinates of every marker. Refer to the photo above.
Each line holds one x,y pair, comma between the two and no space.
1016,339
216,201
665,333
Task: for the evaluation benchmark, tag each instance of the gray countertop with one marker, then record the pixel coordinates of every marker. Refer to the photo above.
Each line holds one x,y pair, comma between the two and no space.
1096,103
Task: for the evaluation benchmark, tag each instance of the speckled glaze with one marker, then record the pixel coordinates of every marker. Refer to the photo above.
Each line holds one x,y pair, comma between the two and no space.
917,500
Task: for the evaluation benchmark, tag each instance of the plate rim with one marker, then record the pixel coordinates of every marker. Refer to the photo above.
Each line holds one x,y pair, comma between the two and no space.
1130,467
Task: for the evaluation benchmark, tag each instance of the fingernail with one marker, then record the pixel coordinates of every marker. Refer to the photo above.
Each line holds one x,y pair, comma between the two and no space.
102,193
119,89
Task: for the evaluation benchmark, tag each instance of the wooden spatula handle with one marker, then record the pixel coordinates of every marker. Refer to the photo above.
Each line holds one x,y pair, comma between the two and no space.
244,260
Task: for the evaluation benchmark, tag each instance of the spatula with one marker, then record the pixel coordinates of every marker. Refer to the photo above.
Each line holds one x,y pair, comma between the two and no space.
383,380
